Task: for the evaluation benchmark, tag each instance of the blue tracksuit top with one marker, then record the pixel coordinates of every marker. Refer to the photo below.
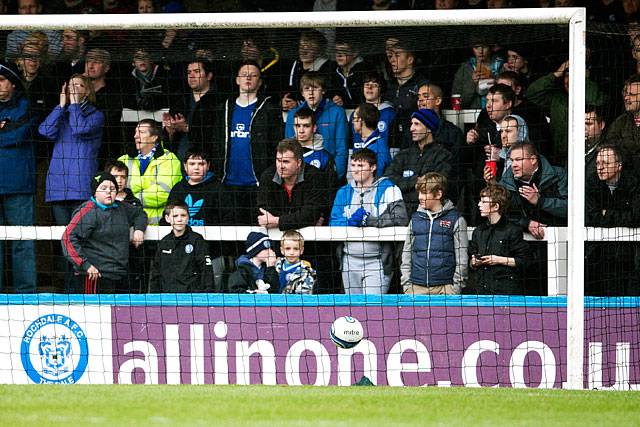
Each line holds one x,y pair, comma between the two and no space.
379,145
332,125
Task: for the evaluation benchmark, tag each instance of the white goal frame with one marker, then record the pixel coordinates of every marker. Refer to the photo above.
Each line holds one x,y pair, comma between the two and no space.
574,18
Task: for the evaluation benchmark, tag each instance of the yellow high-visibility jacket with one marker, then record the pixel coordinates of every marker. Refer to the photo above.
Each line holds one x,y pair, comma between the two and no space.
153,187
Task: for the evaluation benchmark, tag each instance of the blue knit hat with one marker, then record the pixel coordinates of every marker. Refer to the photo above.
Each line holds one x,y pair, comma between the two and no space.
256,242
429,118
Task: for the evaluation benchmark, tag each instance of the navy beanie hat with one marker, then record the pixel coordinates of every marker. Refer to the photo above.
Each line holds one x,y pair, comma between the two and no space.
256,242
429,118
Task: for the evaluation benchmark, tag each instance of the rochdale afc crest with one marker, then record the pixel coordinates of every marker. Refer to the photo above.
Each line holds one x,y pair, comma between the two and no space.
54,350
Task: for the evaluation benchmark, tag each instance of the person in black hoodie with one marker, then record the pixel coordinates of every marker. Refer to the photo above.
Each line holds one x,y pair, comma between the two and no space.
182,262
497,250
202,192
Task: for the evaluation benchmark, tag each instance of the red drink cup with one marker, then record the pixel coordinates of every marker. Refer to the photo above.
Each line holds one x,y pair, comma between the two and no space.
456,102
493,165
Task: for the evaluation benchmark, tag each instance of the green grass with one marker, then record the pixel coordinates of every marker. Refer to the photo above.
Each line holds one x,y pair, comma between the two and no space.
330,406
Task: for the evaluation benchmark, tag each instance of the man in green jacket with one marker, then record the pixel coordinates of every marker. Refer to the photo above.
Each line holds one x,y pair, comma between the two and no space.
625,129
553,99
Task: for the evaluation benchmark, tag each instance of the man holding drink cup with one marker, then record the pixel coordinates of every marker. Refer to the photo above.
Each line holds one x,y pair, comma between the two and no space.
484,135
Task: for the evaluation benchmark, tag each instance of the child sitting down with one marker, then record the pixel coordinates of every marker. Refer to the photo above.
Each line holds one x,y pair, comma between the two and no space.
255,272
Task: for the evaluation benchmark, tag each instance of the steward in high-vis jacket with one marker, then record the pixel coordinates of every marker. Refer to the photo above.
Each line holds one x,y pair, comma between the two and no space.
153,171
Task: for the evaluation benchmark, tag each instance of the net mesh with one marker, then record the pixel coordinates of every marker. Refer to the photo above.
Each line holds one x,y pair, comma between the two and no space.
136,336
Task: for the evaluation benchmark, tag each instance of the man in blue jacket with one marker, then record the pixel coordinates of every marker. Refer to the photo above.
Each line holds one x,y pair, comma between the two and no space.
331,120
367,201
17,178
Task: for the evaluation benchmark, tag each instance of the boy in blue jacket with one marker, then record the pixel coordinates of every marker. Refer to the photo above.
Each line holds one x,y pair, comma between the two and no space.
331,120
373,202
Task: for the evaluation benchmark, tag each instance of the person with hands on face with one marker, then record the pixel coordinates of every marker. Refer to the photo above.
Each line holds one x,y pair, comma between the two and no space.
551,94
75,126
256,272
96,241
539,191
497,250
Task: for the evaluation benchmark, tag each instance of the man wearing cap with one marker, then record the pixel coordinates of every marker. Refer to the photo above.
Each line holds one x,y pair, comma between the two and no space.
256,273
425,155
17,177
96,241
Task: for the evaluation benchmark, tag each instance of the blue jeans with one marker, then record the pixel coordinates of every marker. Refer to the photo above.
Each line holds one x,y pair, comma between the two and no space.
18,209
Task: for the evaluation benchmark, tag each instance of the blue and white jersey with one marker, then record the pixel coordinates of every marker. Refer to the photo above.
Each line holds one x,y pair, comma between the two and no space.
387,114
379,145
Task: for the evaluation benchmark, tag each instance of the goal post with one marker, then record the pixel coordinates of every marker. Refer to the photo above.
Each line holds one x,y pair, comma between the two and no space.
573,18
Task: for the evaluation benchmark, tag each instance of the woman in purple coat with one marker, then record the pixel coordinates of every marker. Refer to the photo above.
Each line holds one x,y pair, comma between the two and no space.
75,126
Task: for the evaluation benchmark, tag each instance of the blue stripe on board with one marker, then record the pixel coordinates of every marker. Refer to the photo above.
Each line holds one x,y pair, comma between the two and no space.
218,300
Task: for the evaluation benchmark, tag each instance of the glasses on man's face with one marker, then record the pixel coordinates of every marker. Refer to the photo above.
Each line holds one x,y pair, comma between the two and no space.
606,163
519,159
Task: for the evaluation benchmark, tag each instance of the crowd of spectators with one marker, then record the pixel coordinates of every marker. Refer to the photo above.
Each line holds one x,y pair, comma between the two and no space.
310,127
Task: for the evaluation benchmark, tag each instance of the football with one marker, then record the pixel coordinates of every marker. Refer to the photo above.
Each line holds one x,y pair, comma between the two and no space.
346,332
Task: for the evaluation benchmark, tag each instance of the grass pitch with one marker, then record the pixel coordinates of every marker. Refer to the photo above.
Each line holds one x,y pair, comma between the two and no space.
117,405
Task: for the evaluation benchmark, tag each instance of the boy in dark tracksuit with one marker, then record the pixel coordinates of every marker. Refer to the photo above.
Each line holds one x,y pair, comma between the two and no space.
96,241
182,262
